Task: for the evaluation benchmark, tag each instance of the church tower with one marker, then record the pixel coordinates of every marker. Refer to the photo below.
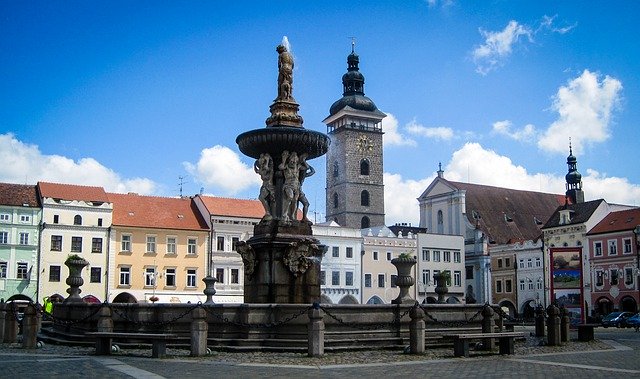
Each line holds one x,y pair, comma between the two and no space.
355,188
574,179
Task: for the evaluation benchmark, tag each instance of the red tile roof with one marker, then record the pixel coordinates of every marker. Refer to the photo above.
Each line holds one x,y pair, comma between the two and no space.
156,212
221,206
18,195
72,192
618,221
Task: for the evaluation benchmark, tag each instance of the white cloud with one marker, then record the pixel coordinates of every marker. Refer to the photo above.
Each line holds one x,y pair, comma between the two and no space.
221,169
23,163
440,132
400,198
504,128
442,3
547,23
392,136
585,107
497,46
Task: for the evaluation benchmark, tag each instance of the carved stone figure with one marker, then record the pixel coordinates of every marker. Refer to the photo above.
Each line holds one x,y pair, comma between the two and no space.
305,171
291,186
299,256
248,257
285,73
264,167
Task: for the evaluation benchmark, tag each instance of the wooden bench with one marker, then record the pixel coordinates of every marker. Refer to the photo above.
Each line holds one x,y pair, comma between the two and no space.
461,341
585,332
158,341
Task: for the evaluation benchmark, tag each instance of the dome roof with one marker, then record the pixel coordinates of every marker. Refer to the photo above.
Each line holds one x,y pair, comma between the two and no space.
358,102
573,177
353,89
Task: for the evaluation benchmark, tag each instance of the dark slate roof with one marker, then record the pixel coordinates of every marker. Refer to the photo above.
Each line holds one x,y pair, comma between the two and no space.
581,213
618,221
508,215
18,195
406,229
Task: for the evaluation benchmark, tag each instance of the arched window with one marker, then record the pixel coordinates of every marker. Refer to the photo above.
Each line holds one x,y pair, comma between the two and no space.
365,223
364,198
335,169
335,200
440,222
77,220
364,167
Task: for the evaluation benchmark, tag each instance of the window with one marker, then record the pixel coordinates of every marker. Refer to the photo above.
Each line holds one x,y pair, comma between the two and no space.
191,277
323,278
220,243
448,272
613,248
335,169
235,276
335,200
76,244
335,252
56,243
521,263
367,280
499,286
539,284
394,281
150,276
628,276
468,272
96,274
151,244
529,263
381,280
56,219
192,246
170,277
538,262
597,249
613,274
375,255
426,277
507,285
171,245
234,243
125,276
499,263
457,257
22,272
4,237
522,285
446,256
426,255
457,278
5,217
220,275
77,220
436,256
627,246
25,218
364,167
349,252
365,222
126,242
507,263
54,273
348,278
335,278
364,198
24,238
440,223
530,284
96,245
3,270
389,255
599,278
99,222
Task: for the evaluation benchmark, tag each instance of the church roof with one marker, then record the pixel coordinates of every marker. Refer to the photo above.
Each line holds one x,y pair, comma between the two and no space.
508,215
617,222
580,213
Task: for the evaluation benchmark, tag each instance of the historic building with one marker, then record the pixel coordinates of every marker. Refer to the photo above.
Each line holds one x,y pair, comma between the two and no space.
438,253
529,276
503,272
75,221
157,250
355,187
614,266
19,239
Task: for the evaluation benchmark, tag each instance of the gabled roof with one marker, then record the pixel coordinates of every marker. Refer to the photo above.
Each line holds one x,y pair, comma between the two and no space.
222,206
19,195
72,192
155,212
507,215
617,222
580,213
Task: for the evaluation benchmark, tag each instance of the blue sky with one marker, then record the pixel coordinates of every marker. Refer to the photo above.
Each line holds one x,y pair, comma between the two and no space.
133,95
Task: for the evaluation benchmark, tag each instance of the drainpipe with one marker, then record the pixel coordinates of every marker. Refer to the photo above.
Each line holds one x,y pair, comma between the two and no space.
107,271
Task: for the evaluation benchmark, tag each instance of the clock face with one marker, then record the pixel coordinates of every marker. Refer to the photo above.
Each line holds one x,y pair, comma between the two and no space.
364,144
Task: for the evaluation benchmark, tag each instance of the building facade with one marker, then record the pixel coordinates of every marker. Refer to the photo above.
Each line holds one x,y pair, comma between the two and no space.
437,253
529,276
503,272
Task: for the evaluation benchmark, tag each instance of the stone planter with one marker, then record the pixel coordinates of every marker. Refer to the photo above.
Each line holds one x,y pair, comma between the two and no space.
441,286
74,281
404,280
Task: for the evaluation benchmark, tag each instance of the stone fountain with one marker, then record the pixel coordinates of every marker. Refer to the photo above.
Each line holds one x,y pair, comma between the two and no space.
282,259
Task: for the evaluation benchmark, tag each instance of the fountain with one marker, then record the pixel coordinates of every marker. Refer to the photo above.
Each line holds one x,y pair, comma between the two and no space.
282,259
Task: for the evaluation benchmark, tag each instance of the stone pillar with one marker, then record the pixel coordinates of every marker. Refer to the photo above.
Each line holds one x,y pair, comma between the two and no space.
199,332
416,330
553,326
3,315
487,327
564,324
539,321
105,321
315,332
10,324
30,328
500,323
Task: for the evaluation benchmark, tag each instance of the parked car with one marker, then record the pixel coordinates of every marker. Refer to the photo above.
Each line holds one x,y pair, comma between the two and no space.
616,319
633,321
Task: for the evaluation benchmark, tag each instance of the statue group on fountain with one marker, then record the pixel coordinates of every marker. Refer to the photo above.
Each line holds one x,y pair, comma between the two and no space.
285,73
295,170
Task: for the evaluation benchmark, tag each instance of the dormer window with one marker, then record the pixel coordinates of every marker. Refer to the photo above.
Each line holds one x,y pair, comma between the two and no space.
565,216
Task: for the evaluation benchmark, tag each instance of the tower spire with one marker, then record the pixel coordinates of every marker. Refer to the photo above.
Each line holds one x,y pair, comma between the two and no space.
574,179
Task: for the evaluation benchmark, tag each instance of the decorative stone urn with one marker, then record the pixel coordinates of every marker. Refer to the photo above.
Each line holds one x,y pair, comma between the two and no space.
74,281
209,290
441,285
404,264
